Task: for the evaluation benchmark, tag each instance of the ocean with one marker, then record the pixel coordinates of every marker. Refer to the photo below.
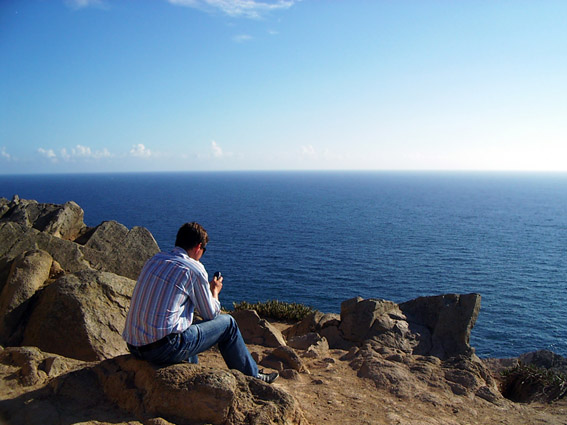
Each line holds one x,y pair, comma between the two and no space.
320,238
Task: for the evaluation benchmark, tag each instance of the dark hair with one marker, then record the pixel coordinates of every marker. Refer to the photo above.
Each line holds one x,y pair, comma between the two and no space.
190,235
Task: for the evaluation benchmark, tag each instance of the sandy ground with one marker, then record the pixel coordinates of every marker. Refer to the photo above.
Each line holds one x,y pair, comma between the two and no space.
332,394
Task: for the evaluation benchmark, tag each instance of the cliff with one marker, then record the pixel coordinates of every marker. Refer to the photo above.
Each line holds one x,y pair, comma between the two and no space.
64,294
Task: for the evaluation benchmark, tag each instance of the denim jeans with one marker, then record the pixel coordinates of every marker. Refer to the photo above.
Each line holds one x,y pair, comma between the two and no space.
222,330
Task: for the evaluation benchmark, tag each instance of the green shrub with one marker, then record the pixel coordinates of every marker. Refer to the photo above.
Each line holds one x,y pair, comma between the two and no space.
526,383
277,310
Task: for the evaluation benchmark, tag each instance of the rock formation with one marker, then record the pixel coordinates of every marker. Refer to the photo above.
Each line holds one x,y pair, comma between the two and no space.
64,294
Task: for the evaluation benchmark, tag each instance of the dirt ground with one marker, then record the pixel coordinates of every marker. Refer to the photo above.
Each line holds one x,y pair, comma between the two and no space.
332,394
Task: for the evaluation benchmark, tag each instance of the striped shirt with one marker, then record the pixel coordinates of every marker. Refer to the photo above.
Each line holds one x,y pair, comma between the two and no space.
170,287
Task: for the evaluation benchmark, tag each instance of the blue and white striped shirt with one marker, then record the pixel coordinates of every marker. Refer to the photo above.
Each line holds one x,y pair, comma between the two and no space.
170,287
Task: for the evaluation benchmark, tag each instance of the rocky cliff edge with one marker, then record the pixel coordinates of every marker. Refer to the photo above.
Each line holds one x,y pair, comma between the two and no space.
64,294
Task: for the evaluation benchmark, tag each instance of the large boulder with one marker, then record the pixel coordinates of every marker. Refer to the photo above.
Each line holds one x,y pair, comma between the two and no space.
439,326
62,221
413,376
444,323
112,247
361,319
16,239
127,390
81,316
29,272
187,393
59,230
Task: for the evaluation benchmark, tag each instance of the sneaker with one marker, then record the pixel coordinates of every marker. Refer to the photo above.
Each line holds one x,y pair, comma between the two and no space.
267,377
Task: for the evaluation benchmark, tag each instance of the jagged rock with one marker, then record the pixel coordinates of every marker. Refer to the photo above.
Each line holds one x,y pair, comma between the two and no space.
314,322
303,342
187,393
107,246
258,331
314,344
4,208
178,394
16,239
444,323
81,316
28,273
407,375
379,320
35,366
62,221
545,359
361,319
284,358
325,324
439,325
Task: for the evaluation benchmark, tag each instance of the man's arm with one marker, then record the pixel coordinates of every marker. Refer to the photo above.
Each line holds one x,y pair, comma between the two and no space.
207,297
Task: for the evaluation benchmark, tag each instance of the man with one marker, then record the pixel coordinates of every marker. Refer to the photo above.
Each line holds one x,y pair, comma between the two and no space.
160,324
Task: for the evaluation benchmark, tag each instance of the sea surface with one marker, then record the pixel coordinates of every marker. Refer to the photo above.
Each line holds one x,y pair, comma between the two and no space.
320,238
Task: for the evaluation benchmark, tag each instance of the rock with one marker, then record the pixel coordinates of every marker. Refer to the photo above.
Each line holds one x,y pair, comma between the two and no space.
81,316
314,322
545,359
4,208
187,393
325,324
112,249
448,320
28,273
406,375
257,331
284,358
34,366
314,345
107,246
362,319
16,239
62,221
303,342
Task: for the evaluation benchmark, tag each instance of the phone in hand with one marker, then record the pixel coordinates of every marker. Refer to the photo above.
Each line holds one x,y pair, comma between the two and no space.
217,275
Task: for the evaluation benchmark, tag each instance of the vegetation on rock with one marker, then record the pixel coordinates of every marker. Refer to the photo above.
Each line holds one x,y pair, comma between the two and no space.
277,310
528,382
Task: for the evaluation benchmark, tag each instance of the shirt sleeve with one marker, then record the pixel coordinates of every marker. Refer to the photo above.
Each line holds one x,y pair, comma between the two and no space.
208,307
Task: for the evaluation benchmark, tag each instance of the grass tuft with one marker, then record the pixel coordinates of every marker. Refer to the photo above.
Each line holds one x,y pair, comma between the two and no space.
277,310
526,383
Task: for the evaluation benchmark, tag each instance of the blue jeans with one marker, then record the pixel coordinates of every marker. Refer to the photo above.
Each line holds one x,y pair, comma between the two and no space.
222,330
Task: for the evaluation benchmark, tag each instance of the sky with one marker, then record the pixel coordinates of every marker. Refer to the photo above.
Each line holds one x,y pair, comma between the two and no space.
207,85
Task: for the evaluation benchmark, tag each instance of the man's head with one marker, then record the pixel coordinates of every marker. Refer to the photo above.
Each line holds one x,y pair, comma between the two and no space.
190,235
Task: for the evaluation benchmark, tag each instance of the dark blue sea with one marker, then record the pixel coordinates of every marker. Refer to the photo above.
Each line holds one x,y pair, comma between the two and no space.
320,238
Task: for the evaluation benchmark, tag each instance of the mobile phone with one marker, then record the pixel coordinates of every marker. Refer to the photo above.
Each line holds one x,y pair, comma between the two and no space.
217,275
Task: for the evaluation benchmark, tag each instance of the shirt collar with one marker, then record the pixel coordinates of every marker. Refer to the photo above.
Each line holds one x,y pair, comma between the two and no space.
180,251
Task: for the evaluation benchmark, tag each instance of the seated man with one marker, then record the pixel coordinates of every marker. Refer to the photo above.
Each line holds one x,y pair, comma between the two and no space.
160,324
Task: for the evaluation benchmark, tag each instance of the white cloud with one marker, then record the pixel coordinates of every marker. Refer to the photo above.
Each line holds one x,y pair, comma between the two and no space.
48,153
81,4
217,150
5,154
237,8
79,152
241,38
140,151
308,151
84,152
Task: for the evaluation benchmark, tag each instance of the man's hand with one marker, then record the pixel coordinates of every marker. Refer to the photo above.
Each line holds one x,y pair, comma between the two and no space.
216,286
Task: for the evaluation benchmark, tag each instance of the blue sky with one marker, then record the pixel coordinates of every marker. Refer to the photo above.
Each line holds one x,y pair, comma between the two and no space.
182,85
